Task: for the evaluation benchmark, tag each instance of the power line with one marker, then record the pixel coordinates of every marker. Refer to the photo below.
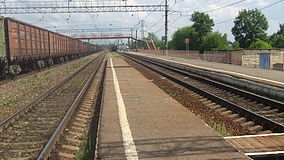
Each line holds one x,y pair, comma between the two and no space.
268,6
216,9
92,18
271,4
62,22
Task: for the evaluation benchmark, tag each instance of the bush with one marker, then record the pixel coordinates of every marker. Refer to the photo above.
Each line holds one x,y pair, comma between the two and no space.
279,42
216,41
259,44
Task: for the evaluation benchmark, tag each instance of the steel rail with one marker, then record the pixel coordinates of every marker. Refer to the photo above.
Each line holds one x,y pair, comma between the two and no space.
265,122
45,153
11,119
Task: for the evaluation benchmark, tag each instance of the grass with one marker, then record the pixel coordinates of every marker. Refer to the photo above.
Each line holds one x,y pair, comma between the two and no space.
75,65
10,101
171,95
2,104
34,86
47,78
83,152
35,76
46,73
24,81
221,130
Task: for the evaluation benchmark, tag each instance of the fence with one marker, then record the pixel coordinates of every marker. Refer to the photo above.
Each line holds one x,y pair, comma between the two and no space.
191,54
248,58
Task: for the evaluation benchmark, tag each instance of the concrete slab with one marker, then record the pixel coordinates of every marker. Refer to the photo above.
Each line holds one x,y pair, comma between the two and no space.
255,145
161,127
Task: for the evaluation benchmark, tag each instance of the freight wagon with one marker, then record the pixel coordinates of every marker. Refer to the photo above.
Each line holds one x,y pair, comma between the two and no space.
24,46
3,58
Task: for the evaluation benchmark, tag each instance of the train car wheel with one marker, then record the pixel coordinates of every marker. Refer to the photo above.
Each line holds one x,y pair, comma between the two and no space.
50,62
66,58
40,64
61,59
15,69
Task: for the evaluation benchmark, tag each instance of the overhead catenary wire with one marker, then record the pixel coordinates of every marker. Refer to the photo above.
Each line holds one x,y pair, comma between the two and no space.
268,6
92,18
226,6
62,22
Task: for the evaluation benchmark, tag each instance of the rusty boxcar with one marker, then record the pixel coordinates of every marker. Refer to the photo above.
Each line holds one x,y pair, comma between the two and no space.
25,46
3,57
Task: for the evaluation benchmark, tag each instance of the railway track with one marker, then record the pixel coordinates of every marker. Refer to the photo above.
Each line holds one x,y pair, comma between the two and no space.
27,133
259,114
83,126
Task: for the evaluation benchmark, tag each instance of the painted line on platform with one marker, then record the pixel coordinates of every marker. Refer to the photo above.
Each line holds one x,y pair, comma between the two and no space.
264,153
258,135
217,70
128,143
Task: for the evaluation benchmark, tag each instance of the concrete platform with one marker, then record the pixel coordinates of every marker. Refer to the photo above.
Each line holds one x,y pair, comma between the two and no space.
154,126
265,76
259,145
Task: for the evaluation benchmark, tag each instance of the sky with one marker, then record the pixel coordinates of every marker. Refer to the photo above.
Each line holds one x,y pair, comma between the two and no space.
223,13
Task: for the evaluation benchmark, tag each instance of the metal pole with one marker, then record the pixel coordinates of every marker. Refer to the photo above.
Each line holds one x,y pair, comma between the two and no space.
136,41
166,27
129,44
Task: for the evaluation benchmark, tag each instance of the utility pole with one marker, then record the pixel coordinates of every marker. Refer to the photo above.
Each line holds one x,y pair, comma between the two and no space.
131,39
142,29
136,41
166,27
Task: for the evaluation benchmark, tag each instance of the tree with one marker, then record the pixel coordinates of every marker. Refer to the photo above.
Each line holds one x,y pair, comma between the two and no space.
216,41
279,42
250,25
277,39
235,45
160,44
181,34
281,30
152,36
259,44
203,24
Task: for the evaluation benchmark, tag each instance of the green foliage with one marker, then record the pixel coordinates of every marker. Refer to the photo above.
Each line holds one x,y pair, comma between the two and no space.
259,44
277,39
140,45
279,42
183,33
160,44
235,45
171,44
152,36
216,41
250,25
281,31
203,24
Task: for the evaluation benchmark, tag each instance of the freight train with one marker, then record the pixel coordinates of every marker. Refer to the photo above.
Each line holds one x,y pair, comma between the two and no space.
24,46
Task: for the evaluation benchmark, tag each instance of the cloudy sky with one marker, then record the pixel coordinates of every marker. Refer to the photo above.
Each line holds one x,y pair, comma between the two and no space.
222,11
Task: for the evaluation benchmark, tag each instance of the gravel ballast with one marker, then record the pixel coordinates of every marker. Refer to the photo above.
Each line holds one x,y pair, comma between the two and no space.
17,93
